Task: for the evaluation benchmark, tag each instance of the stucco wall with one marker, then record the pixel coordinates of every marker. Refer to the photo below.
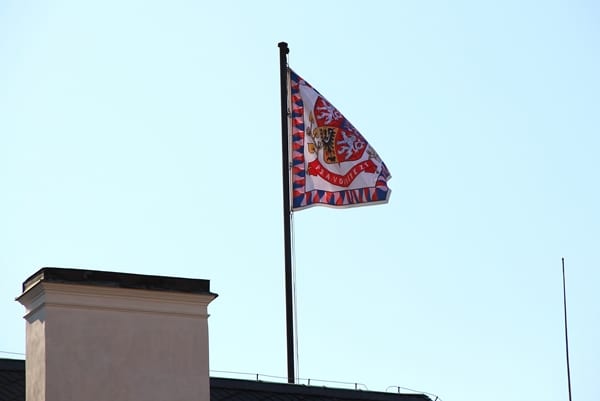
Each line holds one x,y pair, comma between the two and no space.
97,343
35,371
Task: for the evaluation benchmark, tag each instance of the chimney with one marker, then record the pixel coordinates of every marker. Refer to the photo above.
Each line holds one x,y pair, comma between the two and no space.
97,336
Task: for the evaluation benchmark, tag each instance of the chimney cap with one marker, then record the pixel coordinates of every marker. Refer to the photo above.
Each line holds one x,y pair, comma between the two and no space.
119,280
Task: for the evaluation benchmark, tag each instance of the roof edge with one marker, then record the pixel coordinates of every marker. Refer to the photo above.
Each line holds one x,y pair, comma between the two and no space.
102,278
12,364
285,388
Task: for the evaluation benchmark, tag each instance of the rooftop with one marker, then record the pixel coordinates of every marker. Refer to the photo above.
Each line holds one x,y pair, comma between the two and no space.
12,388
118,280
12,380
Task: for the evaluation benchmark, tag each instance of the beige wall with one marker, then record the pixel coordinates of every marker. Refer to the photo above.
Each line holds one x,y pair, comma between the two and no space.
101,343
36,372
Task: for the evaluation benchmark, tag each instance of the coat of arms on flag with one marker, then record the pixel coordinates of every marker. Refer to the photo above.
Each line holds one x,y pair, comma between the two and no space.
332,163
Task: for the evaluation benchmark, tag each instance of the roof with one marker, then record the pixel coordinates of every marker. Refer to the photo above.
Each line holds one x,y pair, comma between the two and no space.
12,388
119,280
12,380
222,389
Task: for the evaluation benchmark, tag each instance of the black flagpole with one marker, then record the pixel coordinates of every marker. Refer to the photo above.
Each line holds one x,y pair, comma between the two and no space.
566,334
287,212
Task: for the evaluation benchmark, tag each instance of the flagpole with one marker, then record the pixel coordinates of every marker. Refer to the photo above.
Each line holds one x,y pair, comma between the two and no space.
287,212
566,334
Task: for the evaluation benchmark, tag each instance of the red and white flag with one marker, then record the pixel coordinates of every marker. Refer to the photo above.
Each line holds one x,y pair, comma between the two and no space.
332,163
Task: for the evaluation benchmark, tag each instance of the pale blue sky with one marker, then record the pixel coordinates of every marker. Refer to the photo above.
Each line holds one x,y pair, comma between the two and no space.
144,137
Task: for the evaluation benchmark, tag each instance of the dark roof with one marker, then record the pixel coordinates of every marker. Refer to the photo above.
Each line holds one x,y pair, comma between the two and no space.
12,388
12,380
222,389
120,280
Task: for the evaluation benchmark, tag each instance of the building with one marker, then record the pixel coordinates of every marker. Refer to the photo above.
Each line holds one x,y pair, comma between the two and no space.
96,335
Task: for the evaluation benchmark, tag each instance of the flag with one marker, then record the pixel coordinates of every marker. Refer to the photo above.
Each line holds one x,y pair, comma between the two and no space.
332,163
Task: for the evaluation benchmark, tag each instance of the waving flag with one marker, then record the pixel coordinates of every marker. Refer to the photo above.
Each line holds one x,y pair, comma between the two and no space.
332,163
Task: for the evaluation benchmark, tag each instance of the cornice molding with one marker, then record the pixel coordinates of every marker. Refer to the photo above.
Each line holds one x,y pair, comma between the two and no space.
74,296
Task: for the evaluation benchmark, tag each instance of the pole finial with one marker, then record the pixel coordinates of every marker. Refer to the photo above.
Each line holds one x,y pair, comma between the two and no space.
284,47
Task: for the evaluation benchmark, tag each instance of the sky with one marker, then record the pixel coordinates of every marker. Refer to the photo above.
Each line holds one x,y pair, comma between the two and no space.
144,137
